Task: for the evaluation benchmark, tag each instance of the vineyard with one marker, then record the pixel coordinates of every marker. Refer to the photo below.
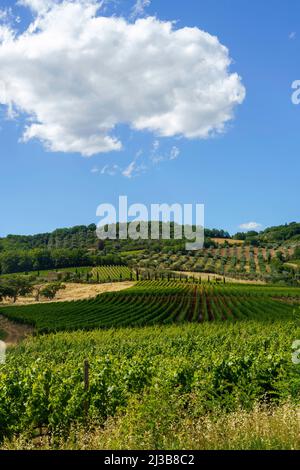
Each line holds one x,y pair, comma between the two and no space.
111,273
160,302
244,262
99,274
154,380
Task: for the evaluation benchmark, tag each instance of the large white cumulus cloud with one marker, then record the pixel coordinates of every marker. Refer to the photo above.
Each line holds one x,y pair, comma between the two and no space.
76,75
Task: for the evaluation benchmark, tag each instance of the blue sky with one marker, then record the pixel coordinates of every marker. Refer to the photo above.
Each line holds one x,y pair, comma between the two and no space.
249,173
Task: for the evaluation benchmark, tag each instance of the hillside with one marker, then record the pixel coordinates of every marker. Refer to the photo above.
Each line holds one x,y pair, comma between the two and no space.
271,255
84,237
282,234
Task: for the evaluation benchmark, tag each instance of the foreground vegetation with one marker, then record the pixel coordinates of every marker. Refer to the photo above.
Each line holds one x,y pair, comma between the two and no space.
188,386
263,428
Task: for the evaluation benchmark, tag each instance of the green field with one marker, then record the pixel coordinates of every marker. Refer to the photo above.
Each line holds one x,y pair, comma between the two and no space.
155,387
132,252
160,302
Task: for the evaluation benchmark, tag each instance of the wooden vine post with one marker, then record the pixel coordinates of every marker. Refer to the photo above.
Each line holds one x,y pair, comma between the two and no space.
86,386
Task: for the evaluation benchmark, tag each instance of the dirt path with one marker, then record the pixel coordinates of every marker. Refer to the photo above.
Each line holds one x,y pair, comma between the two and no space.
14,332
205,276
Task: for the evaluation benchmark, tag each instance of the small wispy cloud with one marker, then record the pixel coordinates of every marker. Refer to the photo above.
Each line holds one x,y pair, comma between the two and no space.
133,169
106,5
8,32
110,170
39,6
292,35
139,153
250,226
139,8
156,156
156,145
175,152
140,164
155,159
6,18
128,172
3,15
136,167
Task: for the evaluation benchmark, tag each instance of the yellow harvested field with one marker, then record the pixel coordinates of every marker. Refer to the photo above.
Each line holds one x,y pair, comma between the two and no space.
75,291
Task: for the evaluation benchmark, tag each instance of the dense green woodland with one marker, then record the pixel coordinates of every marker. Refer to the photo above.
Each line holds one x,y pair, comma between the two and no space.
76,246
82,236
77,237
42,259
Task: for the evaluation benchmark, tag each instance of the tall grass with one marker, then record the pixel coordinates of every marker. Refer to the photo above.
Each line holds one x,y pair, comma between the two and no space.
263,428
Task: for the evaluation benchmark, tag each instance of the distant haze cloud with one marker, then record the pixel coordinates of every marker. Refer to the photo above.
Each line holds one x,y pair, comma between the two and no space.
250,226
76,76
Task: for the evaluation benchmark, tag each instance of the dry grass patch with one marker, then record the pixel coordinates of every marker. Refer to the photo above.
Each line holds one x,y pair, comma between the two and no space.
75,291
230,241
